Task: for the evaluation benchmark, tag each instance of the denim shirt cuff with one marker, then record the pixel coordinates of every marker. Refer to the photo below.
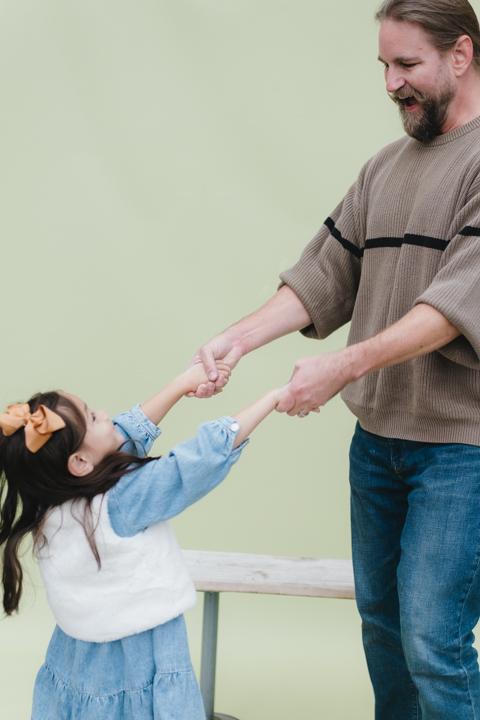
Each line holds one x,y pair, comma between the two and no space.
143,424
232,427
138,429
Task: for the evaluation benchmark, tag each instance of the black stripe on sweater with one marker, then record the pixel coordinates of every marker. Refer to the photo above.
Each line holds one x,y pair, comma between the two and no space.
358,252
470,231
407,239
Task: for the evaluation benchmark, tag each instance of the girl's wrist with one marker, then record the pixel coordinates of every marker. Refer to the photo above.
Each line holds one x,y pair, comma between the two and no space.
274,396
189,380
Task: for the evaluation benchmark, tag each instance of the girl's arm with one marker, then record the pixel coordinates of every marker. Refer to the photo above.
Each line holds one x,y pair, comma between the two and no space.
158,406
251,416
161,489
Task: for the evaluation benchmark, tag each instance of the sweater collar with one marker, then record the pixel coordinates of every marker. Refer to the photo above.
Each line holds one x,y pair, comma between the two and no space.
453,134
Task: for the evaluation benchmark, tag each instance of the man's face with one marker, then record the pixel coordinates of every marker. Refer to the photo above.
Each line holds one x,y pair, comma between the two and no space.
418,78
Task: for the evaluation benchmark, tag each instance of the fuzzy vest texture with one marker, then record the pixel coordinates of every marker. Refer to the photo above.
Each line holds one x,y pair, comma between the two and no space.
143,580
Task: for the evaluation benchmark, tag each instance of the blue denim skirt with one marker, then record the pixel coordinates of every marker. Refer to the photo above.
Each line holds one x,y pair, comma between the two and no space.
148,676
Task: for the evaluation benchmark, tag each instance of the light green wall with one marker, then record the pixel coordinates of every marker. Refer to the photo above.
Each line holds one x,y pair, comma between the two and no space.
161,162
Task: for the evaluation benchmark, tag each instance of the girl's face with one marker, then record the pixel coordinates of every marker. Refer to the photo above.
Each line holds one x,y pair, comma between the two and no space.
101,437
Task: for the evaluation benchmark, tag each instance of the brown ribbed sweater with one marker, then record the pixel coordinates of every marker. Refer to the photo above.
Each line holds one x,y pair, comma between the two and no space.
407,232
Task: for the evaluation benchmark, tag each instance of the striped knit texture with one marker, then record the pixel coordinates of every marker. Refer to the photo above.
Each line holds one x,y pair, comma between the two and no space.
407,232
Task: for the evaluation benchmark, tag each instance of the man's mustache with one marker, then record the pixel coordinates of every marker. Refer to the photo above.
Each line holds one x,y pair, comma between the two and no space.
406,92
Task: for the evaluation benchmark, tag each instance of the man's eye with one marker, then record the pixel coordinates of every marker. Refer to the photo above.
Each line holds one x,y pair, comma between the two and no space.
408,65
94,417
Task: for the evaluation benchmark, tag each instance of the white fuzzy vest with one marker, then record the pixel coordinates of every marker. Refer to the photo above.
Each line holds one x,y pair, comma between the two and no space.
143,580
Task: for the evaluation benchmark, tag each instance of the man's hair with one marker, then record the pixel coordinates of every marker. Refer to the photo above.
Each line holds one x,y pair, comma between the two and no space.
443,20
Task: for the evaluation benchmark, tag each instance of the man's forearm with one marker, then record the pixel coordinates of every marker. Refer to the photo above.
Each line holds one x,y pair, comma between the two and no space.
422,330
316,380
282,314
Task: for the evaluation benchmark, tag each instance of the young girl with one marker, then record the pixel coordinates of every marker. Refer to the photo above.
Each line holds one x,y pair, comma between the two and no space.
97,508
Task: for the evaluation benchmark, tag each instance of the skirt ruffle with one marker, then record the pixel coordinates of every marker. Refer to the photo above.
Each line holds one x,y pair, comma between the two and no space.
144,677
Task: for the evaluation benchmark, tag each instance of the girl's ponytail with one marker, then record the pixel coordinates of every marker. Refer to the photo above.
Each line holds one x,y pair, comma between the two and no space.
12,531
30,483
12,575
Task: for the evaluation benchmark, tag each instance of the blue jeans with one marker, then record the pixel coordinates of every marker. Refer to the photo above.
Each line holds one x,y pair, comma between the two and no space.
416,554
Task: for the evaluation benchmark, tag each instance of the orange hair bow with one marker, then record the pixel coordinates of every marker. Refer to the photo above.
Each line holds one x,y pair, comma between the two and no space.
39,426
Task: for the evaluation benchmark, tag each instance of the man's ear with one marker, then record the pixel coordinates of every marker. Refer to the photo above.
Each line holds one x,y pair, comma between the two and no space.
79,465
462,55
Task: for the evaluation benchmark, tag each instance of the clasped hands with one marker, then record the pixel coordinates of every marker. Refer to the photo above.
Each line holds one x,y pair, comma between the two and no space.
313,382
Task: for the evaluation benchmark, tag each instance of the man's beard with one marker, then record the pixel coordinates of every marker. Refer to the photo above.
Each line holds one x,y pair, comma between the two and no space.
425,123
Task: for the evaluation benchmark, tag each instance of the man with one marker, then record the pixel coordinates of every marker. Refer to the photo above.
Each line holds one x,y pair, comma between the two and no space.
400,259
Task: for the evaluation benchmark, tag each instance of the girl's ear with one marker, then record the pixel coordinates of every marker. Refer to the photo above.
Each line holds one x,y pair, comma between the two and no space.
79,465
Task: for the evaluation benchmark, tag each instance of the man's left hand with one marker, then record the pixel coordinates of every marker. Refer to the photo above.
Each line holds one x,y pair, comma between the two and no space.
314,381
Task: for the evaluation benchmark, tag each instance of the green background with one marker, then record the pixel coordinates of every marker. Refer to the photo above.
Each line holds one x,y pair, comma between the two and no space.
161,163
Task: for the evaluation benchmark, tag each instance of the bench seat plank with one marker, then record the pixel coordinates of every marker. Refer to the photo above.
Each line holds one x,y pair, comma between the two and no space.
237,572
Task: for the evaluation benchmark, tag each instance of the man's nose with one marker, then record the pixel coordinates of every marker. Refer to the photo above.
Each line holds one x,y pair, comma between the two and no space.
393,80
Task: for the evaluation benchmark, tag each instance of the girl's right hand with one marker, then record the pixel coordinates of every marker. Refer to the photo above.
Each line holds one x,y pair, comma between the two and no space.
221,350
196,376
186,383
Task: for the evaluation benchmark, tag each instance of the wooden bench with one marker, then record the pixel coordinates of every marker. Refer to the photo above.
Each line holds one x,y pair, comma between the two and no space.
216,572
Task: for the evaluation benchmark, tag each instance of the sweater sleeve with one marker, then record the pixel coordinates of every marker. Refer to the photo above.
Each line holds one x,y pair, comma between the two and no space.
455,289
165,486
327,275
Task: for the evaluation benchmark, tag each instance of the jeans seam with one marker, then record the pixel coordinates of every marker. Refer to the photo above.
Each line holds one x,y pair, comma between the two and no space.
474,573
415,698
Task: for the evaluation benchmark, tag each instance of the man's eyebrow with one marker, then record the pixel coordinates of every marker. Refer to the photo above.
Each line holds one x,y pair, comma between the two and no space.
401,59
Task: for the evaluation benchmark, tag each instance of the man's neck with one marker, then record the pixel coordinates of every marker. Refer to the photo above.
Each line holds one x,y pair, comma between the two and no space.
466,104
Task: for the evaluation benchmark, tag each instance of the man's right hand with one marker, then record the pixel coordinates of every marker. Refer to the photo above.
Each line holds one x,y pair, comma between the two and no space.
219,348
281,314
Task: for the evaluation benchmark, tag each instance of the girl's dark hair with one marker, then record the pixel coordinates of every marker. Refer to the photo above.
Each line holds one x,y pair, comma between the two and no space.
444,20
33,483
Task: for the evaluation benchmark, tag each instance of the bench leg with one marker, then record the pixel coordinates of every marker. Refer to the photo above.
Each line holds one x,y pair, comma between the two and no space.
209,655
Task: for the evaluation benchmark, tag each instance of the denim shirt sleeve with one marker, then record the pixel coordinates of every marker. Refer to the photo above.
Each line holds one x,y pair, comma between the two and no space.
165,486
139,432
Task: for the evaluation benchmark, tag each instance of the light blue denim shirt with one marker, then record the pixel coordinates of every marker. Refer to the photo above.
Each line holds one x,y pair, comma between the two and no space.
149,674
164,487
